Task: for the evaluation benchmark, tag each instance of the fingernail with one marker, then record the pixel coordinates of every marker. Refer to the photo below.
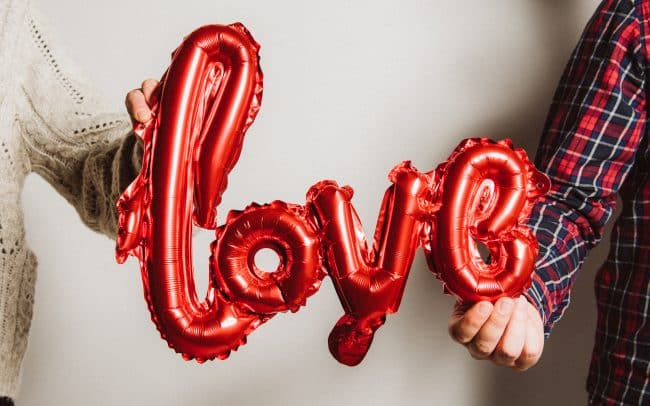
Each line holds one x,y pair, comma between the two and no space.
484,308
505,305
142,115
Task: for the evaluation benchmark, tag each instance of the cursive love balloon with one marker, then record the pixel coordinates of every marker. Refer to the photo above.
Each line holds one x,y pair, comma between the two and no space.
205,102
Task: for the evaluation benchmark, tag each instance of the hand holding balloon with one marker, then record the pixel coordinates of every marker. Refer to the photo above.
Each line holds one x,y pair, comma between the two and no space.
509,333
138,101
193,136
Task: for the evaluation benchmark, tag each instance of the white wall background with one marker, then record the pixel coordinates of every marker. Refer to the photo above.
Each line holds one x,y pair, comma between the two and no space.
351,88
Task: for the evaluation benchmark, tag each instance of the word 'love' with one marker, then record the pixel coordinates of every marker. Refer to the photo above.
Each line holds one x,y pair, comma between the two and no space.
206,101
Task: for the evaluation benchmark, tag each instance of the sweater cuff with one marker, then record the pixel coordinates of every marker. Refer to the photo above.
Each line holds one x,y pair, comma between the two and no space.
9,377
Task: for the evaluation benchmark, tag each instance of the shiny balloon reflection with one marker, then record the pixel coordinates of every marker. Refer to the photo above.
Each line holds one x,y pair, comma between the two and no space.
205,102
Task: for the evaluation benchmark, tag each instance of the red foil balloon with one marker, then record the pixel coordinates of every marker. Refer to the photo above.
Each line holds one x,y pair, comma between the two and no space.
484,192
208,98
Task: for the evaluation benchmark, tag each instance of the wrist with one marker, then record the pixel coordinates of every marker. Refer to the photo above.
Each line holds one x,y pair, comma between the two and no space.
537,299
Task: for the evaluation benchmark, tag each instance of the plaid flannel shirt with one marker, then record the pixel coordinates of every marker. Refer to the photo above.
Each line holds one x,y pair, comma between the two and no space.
595,146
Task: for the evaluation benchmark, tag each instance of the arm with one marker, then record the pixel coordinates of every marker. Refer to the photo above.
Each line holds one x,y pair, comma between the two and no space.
588,147
85,152
58,132
589,144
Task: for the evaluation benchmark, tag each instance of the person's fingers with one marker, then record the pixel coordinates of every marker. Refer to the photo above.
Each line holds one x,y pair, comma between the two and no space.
534,344
137,106
488,336
465,323
148,87
512,342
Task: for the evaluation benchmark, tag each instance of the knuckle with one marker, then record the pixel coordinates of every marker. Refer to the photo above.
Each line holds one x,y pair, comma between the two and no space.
527,360
481,348
521,367
458,334
530,356
506,354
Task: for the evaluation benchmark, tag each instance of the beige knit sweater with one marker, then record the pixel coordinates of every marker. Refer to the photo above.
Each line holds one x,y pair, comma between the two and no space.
50,124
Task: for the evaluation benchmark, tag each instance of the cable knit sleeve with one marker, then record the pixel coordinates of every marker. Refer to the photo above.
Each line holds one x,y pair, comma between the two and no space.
51,124
86,153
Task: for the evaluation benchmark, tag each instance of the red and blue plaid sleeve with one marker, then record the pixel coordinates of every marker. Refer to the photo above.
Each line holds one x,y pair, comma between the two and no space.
588,146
